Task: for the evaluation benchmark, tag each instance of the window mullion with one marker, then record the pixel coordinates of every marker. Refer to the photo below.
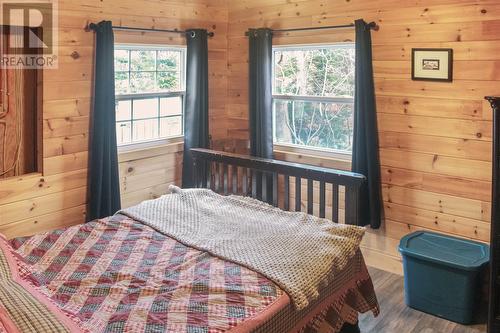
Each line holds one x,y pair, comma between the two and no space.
132,120
129,66
159,116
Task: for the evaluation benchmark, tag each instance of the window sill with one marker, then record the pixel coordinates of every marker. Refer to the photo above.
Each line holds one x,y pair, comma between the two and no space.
326,153
20,178
149,149
324,158
148,144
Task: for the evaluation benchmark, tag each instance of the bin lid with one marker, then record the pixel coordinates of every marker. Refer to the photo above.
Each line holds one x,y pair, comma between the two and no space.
446,250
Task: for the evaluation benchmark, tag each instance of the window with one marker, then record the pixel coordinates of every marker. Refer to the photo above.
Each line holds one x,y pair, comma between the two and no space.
150,90
313,96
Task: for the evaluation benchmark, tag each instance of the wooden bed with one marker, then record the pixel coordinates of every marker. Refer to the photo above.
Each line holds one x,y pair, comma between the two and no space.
98,276
229,173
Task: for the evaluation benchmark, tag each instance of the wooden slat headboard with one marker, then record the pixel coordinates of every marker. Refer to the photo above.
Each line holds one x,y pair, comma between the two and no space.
228,173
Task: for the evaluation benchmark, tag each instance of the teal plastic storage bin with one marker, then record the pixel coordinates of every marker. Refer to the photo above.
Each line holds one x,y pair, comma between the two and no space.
442,274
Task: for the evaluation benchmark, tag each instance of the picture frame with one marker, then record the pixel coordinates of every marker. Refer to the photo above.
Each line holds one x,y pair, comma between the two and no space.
432,64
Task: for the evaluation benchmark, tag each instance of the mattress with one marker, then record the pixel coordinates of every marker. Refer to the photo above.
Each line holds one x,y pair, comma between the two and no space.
118,275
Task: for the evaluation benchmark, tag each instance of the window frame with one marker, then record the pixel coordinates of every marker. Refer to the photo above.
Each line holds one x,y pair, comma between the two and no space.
145,144
302,149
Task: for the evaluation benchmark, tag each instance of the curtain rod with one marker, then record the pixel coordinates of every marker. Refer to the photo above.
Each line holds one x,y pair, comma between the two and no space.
371,25
92,25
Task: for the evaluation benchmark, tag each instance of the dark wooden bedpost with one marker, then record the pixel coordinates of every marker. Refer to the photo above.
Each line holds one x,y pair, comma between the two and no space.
352,205
196,181
199,173
494,302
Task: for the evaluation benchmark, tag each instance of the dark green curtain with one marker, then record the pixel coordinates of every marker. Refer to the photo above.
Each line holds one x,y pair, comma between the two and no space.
103,181
196,103
260,93
261,99
365,157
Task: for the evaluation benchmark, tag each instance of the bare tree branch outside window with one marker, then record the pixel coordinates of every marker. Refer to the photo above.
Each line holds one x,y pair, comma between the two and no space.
313,96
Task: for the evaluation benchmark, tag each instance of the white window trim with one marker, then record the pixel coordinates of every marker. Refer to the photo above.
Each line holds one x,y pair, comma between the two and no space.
335,154
144,145
342,155
148,144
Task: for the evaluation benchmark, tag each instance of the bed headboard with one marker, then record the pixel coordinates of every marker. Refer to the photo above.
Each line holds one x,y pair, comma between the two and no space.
269,180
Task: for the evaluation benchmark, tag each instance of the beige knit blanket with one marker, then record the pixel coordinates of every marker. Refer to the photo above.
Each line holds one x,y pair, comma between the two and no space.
295,250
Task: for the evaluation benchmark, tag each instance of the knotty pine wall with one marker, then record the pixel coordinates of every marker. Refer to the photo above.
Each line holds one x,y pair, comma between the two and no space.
56,198
435,138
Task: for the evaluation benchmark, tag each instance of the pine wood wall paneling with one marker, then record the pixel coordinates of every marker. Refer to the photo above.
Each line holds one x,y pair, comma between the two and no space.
435,138
36,203
147,175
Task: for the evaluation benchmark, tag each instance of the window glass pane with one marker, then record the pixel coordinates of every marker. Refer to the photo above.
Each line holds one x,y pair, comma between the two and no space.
123,132
142,60
314,124
168,60
171,126
121,60
142,82
145,129
315,72
145,108
121,83
168,81
148,72
123,110
171,106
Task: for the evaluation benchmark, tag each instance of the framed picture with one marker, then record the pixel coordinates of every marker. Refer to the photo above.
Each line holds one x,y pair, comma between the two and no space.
432,64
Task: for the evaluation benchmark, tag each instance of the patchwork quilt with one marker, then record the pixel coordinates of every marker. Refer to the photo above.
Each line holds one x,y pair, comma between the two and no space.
119,275
22,307
295,250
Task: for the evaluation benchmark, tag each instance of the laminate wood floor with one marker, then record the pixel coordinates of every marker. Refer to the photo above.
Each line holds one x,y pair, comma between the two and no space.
396,317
